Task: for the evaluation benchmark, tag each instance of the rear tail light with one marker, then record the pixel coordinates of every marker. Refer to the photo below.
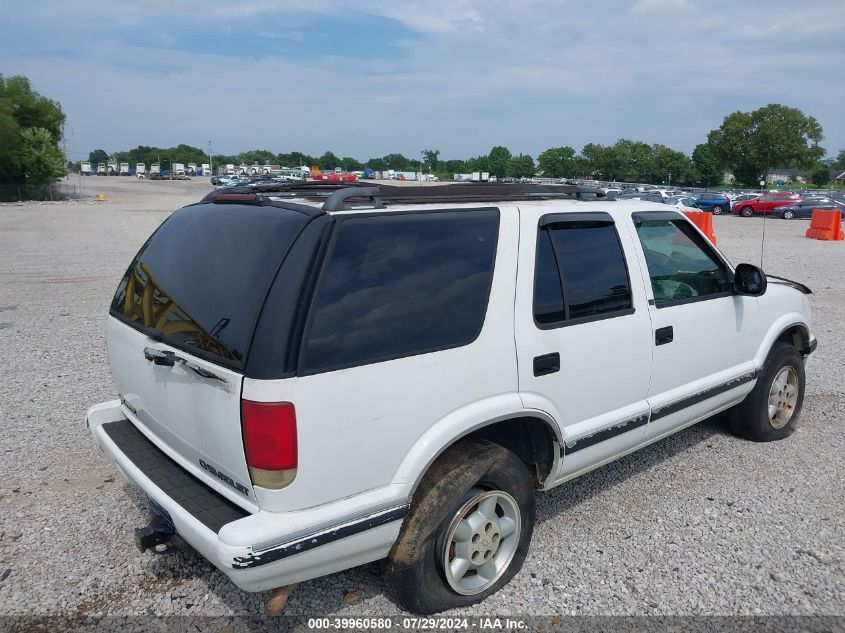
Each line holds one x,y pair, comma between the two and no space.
269,432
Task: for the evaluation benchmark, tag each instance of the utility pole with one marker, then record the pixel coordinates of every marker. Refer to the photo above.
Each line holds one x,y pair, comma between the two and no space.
64,151
670,179
210,159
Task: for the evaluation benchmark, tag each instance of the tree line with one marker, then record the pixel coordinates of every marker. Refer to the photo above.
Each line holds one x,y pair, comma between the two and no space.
747,143
626,161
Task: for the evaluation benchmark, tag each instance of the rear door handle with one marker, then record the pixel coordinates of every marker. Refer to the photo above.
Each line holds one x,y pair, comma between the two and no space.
664,335
546,364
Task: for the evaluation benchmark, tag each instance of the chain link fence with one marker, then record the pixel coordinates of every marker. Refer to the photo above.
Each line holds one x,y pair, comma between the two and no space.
15,192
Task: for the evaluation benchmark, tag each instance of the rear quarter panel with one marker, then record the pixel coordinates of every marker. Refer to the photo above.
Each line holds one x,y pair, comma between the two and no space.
357,426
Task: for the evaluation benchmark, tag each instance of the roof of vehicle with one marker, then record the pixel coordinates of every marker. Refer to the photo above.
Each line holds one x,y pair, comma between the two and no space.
317,198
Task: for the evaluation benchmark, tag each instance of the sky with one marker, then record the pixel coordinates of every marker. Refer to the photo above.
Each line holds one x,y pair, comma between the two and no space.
371,78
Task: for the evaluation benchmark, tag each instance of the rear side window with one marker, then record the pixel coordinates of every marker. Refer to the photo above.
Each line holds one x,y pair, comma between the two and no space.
201,278
400,285
581,273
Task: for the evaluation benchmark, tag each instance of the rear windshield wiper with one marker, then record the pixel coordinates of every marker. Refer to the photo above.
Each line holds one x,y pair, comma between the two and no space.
167,358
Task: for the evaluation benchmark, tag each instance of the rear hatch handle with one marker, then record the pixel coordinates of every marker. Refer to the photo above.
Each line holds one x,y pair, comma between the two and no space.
167,358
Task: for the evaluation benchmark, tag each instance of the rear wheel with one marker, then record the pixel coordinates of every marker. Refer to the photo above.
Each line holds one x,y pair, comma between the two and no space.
770,412
468,532
788,215
717,209
746,212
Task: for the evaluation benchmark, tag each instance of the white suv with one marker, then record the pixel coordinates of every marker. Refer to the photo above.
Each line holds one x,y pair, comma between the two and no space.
304,389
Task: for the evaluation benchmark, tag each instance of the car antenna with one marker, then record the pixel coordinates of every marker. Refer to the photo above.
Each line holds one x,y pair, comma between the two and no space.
763,239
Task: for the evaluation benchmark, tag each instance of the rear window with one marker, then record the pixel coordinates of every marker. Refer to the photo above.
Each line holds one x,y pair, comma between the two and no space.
399,285
201,278
580,273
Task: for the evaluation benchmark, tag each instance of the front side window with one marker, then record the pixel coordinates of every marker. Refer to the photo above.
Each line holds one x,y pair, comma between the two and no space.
580,273
680,263
400,285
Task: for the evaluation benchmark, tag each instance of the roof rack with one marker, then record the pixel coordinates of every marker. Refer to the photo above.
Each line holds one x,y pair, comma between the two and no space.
337,201
337,196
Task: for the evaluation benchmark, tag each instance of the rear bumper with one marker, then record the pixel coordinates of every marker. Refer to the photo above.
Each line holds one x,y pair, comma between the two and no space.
257,551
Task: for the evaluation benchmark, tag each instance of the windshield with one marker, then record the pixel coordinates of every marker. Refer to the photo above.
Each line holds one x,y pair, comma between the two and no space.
200,280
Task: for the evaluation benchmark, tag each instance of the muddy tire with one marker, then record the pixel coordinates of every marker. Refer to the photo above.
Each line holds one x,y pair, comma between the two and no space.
770,412
468,531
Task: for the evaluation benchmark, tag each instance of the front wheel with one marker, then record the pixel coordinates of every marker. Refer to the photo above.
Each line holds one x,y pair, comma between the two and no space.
788,215
468,532
770,412
717,209
746,212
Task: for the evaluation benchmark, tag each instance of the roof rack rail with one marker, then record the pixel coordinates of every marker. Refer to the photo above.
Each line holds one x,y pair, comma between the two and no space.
337,200
444,194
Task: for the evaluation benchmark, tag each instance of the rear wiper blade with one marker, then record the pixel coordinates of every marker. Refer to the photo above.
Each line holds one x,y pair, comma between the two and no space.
167,358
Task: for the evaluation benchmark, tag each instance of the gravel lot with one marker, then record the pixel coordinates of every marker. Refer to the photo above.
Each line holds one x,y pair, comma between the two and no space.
701,523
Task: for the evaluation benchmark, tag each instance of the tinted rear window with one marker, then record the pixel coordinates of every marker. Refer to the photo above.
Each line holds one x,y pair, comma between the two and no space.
594,280
400,285
201,278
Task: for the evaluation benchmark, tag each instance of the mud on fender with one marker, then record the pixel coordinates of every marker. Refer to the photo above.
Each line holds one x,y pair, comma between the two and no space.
441,489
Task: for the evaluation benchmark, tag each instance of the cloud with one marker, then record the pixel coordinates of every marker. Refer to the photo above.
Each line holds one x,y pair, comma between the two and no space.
661,7
460,75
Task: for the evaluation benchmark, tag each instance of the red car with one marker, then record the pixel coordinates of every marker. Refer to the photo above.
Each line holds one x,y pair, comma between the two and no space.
765,203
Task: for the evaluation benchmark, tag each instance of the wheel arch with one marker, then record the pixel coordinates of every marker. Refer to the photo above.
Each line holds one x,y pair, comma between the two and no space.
796,333
533,435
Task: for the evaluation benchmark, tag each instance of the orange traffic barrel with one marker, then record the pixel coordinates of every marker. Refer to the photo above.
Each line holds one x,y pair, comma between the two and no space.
703,221
825,225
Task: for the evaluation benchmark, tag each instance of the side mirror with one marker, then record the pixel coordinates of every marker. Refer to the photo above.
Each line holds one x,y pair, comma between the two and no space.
749,280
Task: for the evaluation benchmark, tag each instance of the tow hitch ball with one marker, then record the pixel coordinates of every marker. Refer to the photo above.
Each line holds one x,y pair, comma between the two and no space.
151,536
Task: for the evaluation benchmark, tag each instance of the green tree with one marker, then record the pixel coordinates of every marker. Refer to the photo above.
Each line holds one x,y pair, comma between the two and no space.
499,160
820,175
328,161
255,156
98,156
479,163
557,162
377,164
710,173
295,159
672,166
27,121
595,159
454,166
348,163
522,166
398,162
430,159
41,159
750,143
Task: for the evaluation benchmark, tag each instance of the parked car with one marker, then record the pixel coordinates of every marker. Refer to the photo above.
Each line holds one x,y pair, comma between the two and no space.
648,196
714,201
765,203
305,388
742,197
803,209
683,203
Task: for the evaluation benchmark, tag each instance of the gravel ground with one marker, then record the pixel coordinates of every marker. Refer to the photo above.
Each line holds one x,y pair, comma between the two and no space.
701,523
